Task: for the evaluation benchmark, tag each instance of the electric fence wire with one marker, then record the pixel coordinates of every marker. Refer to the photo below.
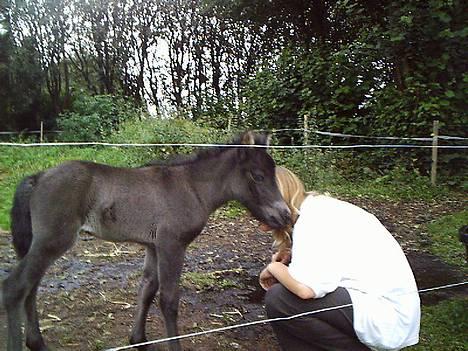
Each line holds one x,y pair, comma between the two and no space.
355,146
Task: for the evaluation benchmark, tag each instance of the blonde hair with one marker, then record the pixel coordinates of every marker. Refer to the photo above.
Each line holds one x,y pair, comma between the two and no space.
293,191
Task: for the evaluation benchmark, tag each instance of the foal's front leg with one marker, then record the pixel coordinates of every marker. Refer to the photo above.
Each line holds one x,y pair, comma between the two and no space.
170,262
148,289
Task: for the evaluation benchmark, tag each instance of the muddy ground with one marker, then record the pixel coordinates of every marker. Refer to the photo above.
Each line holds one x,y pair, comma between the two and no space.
87,299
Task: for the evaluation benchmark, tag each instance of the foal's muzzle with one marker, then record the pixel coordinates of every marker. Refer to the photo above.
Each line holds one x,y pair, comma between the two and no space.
279,218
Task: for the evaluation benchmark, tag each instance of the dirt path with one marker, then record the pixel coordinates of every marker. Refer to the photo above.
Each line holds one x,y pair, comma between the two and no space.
87,299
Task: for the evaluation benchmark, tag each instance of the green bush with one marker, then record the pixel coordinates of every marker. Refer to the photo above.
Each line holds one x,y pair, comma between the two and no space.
219,114
316,168
92,118
164,131
338,172
168,130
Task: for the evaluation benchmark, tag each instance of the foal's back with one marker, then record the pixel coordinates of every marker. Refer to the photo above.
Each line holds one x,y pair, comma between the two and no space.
116,204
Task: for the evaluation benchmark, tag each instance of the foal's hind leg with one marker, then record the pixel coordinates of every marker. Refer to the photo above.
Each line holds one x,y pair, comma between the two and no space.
148,289
16,288
20,289
34,338
170,262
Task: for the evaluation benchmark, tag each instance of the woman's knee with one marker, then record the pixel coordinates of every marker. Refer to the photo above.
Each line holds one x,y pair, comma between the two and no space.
273,301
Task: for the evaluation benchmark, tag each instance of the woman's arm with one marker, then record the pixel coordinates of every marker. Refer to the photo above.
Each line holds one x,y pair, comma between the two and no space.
266,279
281,273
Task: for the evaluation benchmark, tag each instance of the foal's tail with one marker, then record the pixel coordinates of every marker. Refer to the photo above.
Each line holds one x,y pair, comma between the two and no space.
21,228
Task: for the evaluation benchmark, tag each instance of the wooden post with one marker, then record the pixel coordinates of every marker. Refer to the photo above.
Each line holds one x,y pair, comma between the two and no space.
306,129
435,140
229,123
41,136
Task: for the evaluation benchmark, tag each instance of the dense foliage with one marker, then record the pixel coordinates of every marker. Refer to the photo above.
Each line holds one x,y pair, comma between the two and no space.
350,66
353,66
380,68
375,68
93,118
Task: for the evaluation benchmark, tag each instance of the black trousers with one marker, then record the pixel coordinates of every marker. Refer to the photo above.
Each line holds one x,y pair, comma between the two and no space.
330,330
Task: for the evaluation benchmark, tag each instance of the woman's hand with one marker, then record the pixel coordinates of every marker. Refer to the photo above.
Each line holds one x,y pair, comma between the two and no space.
266,279
283,256
265,227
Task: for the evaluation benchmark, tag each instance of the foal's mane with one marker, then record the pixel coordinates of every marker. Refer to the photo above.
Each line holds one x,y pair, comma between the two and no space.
203,154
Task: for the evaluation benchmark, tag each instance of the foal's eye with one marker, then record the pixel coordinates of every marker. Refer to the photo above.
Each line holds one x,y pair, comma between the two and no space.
257,177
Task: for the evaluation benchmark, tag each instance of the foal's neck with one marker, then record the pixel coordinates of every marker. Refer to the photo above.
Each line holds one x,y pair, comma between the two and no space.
212,179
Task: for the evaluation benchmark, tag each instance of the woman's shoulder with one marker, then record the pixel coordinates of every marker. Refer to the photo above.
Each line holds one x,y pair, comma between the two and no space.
314,199
325,203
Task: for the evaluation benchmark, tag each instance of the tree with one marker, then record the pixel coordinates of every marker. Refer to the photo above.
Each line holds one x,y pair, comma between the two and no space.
5,53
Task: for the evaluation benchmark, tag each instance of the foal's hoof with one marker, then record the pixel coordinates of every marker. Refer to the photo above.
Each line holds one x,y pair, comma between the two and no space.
42,348
145,347
37,346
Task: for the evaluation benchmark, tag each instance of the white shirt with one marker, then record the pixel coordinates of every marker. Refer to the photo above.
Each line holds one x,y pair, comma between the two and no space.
337,244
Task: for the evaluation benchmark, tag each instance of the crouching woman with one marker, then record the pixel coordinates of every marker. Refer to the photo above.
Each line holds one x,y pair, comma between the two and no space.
340,255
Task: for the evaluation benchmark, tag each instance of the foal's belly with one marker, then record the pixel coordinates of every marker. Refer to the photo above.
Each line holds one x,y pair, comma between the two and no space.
135,230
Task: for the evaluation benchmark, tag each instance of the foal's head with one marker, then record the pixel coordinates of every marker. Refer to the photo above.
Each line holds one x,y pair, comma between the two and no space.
255,184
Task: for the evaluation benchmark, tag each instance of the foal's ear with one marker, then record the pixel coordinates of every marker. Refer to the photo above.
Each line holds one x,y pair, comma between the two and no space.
248,138
252,138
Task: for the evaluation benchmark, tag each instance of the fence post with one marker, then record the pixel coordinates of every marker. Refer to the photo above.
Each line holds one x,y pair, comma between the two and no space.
306,129
435,140
229,122
41,136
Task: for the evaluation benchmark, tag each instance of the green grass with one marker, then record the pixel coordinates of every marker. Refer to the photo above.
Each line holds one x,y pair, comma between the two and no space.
207,281
18,162
391,186
395,184
233,209
444,326
444,236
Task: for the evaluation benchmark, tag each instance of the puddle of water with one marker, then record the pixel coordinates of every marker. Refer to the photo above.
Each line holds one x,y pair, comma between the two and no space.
431,272
76,273
255,292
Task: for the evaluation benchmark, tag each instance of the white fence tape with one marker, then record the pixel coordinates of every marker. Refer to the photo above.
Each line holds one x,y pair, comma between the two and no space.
357,146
